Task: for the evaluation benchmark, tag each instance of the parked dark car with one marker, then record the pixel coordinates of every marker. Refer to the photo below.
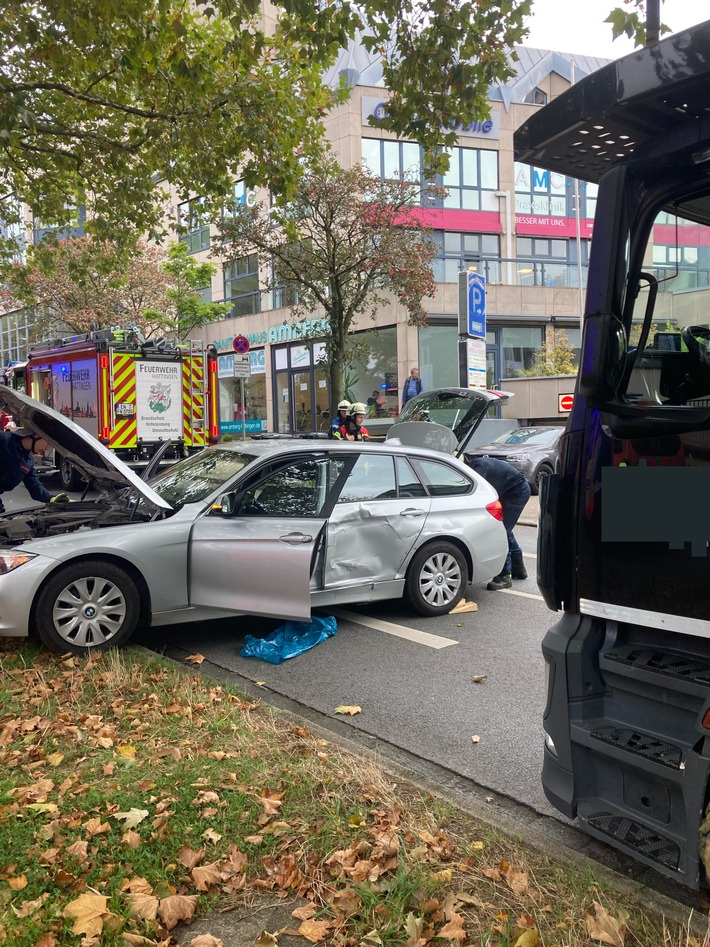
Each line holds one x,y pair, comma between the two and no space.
532,450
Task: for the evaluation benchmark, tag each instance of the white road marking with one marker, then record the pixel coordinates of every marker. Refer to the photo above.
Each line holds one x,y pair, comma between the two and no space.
530,555
411,634
524,594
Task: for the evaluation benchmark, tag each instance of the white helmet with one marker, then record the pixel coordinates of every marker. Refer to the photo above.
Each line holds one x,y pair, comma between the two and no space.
357,407
344,406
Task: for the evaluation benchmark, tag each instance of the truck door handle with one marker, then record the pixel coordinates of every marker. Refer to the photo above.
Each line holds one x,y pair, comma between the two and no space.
296,539
412,511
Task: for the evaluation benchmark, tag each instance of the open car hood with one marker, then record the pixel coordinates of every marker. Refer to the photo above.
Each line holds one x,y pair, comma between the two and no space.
445,419
96,462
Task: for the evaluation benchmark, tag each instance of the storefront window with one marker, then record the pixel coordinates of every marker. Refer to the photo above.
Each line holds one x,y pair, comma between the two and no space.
519,346
253,414
438,356
372,377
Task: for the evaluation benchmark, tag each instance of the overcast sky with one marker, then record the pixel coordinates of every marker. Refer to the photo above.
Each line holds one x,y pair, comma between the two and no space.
577,26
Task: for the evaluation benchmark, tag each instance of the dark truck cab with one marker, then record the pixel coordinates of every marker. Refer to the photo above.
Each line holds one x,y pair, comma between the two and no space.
625,523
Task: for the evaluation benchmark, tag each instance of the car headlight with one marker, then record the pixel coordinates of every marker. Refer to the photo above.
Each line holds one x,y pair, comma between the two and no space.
13,560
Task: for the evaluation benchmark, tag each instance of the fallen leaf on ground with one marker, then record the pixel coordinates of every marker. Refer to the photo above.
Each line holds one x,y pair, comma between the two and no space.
195,658
88,911
606,928
517,880
475,739
315,931
206,940
265,939
305,912
342,709
132,818
479,678
529,938
178,907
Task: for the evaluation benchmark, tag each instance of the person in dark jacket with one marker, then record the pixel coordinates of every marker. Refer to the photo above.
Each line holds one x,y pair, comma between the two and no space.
412,386
17,465
513,492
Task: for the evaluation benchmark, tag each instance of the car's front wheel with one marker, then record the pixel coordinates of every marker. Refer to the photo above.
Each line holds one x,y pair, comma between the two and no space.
436,579
88,606
544,470
68,476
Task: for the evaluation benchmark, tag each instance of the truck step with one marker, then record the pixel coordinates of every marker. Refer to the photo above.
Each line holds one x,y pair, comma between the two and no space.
642,744
678,667
636,838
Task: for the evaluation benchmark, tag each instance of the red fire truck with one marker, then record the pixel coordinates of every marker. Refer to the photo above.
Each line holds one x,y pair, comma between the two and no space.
133,395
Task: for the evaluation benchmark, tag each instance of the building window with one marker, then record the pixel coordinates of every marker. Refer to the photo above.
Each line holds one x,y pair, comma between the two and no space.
40,229
460,251
242,197
536,97
194,226
241,285
547,262
471,181
518,346
541,192
438,356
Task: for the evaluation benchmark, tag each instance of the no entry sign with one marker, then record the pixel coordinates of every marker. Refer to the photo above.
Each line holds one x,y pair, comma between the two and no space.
564,403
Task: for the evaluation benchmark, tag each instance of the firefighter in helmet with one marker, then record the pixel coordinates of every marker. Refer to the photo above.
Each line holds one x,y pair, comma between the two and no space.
339,418
352,429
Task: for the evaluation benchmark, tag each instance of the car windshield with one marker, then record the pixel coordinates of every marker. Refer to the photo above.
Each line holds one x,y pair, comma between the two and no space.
529,436
196,477
450,408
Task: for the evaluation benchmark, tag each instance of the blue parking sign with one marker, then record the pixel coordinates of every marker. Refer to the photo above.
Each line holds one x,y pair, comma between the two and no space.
476,304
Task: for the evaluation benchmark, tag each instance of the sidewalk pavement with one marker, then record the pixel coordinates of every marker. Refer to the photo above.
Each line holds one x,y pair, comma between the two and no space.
529,515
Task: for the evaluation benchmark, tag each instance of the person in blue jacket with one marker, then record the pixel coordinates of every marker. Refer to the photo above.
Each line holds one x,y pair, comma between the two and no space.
17,465
412,386
513,492
339,419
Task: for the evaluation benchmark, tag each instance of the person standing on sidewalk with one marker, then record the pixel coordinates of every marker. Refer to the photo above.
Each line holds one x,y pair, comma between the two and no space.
513,492
412,386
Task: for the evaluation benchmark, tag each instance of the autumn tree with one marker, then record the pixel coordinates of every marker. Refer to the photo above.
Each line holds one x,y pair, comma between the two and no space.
80,284
554,357
106,103
341,244
185,279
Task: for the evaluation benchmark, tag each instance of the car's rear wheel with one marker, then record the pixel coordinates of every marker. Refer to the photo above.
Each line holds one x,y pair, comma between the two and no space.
544,470
88,606
436,579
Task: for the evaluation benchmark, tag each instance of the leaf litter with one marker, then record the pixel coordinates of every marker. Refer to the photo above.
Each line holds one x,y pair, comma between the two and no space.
137,796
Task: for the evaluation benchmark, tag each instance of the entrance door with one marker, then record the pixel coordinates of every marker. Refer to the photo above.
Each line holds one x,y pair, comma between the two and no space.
301,394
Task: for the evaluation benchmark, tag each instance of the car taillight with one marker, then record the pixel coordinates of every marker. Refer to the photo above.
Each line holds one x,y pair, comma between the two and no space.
495,508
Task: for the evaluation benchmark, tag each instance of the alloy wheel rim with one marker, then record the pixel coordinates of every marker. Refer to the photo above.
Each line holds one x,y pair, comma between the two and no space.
89,611
440,579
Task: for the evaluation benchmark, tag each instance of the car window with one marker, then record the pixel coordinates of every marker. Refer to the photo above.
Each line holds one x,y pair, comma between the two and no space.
372,478
297,490
442,480
407,481
196,477
529,436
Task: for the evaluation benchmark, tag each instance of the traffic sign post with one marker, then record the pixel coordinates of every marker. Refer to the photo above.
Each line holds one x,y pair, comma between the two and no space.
241,344
476,304
564,403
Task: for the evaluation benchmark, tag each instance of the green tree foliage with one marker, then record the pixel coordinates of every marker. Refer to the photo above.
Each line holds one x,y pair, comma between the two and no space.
106,102
79,284
627,21
554,357
342,243
186,279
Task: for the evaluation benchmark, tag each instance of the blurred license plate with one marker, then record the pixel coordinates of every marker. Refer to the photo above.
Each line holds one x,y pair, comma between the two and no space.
125,410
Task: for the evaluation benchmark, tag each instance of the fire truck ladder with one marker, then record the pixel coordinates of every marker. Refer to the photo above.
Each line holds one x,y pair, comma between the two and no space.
198,423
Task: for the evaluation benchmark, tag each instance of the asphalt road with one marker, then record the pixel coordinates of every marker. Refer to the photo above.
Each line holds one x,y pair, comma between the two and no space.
413,679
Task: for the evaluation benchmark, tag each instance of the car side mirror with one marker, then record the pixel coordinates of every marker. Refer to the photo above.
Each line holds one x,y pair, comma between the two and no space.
227,503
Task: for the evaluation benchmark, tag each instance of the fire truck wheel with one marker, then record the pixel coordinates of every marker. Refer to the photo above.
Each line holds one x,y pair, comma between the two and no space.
68,477
87,606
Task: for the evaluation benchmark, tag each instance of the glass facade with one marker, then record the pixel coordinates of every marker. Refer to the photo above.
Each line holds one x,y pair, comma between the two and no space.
194,226
241,285
459,251
438,356
518,346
